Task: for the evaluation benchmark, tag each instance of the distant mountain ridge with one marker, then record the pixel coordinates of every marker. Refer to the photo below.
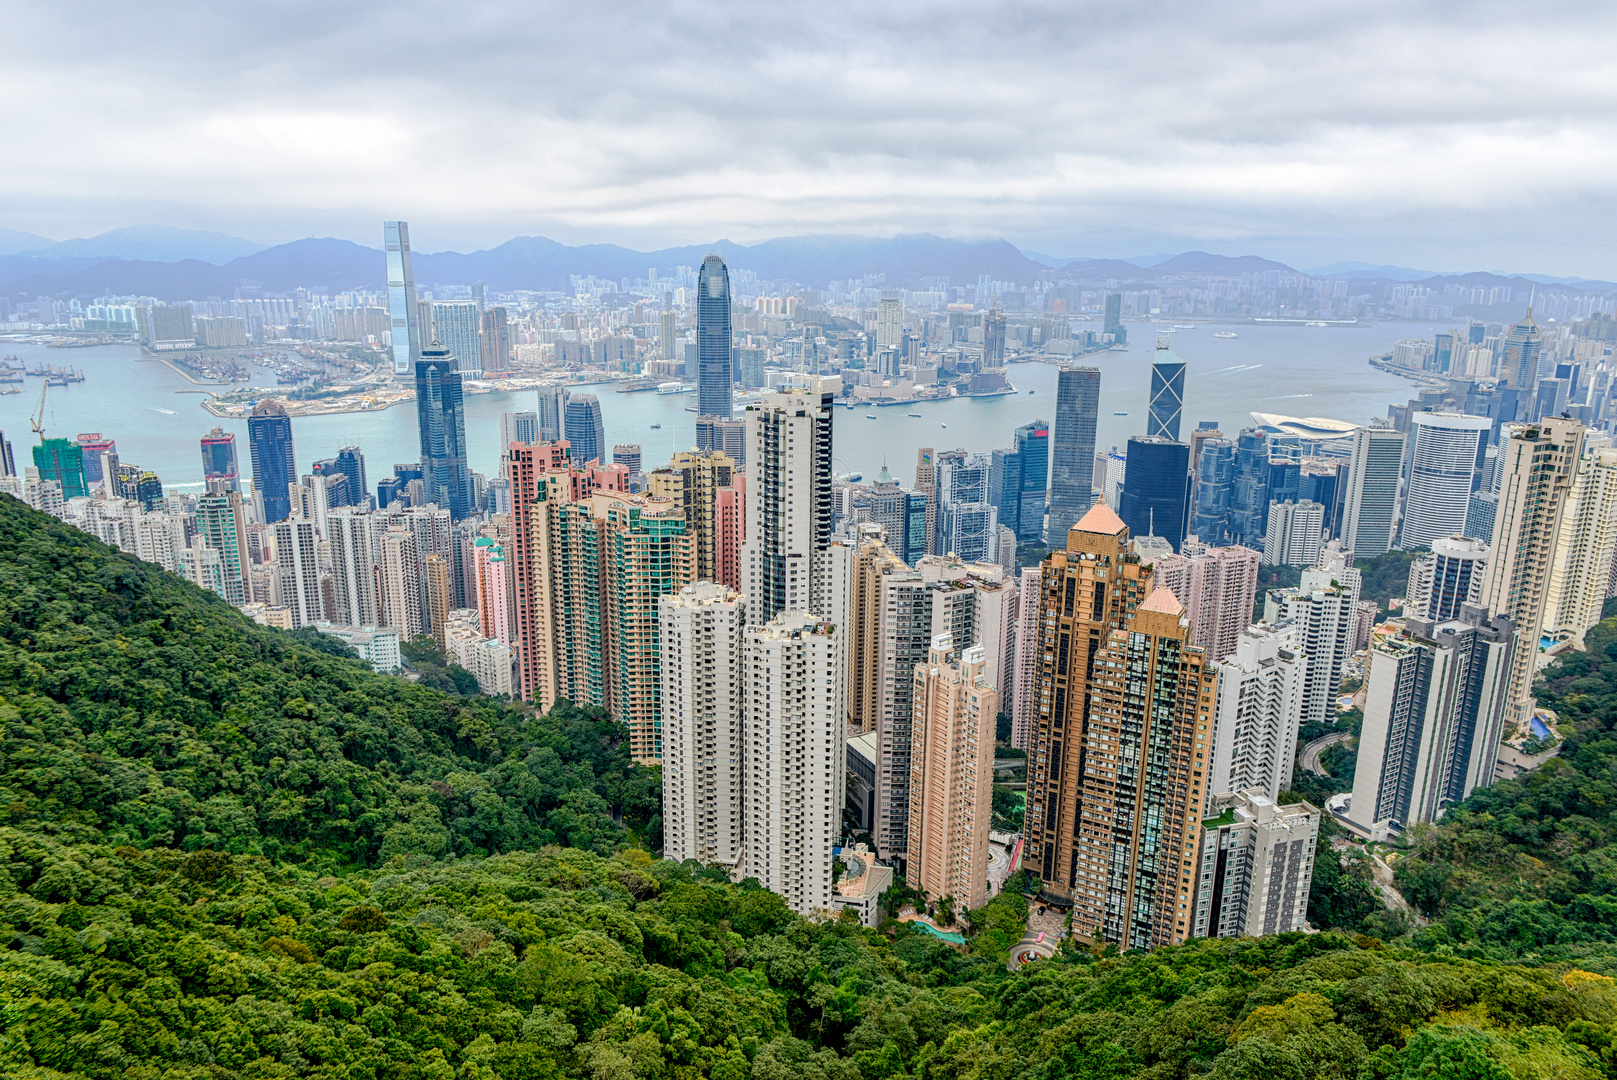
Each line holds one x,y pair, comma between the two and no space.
178,264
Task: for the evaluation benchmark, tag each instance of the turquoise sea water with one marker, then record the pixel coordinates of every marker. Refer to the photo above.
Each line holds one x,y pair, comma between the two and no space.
156,416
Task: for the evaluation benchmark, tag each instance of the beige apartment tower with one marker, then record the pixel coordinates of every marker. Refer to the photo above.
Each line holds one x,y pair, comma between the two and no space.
951,775
1536,474
1086,592
1143,781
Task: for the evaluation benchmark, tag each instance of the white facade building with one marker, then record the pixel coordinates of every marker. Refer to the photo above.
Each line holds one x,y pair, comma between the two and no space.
1295,532
1257,862
1257,712
1445,450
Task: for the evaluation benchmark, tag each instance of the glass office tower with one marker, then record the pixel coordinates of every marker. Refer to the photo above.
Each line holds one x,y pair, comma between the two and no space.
442,419
404,316
714,371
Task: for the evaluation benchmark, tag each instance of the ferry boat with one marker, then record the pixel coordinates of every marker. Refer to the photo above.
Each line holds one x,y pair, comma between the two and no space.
1121,346
1184,326
1225,334
671,388
1316,322
854,477
915,414
1120,414
943,425
656,427
870,416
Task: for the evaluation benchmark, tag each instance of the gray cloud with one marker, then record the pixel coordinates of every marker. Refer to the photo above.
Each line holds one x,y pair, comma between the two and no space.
1437,134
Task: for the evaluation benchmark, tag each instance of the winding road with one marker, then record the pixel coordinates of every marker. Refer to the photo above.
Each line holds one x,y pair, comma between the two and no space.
1312,751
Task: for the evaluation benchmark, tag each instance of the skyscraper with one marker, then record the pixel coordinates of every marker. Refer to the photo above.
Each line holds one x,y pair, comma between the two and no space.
788,497
1587,548
1436,703
399,579
1371,506
717,433
1072,450
1022,507
440,415
795,755
994,339
1249,491
351,464
1025,681
269,443
692,481
519,427
1156,489
1521,350
703,727
1216,586
1087,589
1324,610
1296,532
1140,789
1537,474
1215,487
354,546
552,408
297,570
586,436
455,327
220,470
714,367
951,775
495,340
1447,579
889,324
1113,319
403,313
1445,452
1256,712
1167,403
222,526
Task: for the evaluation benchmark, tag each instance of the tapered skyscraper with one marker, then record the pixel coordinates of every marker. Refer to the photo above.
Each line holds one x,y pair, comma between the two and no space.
1072,451
714,374
1167,394
403,314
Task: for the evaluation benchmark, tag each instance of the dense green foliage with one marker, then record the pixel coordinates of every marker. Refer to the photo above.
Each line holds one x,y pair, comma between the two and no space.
138,709
129,964
1529,866
231,852
1386,576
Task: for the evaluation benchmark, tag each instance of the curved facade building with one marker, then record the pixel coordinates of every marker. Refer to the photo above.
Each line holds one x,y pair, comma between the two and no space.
1445,451
585,434
714,371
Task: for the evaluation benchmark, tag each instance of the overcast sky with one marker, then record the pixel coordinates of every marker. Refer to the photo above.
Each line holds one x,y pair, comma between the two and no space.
1435,135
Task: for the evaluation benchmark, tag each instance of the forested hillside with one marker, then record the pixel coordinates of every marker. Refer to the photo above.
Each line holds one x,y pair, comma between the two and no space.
229,852
140,709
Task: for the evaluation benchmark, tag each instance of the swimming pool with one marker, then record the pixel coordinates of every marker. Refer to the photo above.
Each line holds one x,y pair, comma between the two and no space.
1540,728
953,939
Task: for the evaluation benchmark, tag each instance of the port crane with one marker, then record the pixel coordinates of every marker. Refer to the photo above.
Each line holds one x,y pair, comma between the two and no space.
37,421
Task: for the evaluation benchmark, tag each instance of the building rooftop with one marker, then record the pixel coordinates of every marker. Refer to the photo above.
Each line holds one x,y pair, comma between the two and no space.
1101,519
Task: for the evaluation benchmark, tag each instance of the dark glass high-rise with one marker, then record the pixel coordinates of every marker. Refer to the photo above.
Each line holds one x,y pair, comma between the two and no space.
1072,450
585,434
269,443
714,369
440,415
1156,489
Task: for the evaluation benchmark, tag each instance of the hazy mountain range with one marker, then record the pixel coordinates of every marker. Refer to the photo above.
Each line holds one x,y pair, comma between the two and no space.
178,264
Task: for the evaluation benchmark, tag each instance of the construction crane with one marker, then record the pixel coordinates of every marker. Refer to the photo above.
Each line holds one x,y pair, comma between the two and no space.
38,420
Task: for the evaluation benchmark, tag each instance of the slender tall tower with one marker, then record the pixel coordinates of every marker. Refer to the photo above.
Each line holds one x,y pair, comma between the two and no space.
403,313
1372,498
714,370
1539,466
1072,450
354,552
586,437
220,472
1580,581
795,755
1142,781
1167,394
702,626
951,775
1087,589
440,416
269,442
788,497
1257,712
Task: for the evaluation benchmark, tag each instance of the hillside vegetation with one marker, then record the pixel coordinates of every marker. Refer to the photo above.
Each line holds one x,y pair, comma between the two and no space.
228,852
